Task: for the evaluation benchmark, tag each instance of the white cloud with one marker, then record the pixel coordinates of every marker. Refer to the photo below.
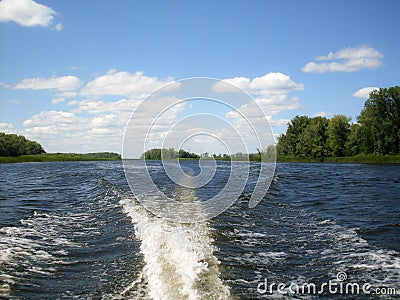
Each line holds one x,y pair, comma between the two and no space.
325,114
274,83
134,85
271,94
94,123
26,13
351,53
57,100
68,94
58,27
7,128
67,131
271,83
62,97
64,83
346,60
364,92
226,85
101,107
55,118
5,85
274,104
109,120
279,122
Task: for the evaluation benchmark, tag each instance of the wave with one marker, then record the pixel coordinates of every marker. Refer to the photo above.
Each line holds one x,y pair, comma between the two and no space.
33,249
179,258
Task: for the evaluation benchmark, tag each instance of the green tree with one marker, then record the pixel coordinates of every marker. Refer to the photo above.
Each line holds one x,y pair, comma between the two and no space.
155,154
312,142
353,144
338,132
380,120
289,144
16,145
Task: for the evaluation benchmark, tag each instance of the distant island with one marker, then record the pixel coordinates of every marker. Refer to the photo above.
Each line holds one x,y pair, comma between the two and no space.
16,148
157,154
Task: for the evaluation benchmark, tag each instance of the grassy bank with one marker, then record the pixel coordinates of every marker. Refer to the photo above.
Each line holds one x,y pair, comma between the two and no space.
361,158
48,157
60,157
368,159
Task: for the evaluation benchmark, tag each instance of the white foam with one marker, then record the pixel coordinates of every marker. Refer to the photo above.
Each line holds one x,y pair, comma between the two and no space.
179,259
34,247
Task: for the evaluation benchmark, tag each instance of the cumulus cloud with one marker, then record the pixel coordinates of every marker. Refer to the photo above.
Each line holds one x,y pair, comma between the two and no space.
62,97
271,83
92,122
271,93
364,92
109,120
274,83
101,107
26,13
64,83
231,85
7,127
134,85
346,60
54,118
74,132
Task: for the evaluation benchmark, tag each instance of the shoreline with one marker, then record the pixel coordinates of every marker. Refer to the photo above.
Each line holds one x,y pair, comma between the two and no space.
58,157
363,159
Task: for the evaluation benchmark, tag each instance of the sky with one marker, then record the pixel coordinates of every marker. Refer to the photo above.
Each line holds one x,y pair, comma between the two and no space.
73,72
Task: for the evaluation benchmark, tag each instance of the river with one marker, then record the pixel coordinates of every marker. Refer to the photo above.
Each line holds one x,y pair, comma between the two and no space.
73,230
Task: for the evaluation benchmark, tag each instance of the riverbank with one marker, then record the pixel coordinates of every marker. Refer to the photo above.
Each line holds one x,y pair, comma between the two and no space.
48,157
361,158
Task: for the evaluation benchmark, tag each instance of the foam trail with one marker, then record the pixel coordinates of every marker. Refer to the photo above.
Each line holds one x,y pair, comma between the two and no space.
179,259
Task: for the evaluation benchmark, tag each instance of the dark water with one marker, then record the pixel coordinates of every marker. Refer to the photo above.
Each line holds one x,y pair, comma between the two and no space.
72,230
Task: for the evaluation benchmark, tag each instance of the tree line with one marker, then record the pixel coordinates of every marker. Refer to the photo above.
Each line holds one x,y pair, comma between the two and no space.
377,131
16,145
171,153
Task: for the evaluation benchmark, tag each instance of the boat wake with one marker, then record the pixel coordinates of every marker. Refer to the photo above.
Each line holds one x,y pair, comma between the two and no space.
179,261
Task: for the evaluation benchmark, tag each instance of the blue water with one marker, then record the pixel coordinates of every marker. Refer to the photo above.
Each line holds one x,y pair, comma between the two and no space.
73,230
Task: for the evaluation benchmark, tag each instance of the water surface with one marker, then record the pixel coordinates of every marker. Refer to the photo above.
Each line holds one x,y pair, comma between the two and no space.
73,230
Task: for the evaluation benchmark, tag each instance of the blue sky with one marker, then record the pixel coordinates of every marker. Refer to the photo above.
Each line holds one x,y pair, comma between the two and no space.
71,72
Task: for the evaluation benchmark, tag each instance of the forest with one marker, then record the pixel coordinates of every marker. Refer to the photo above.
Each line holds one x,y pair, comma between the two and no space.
16,145
16,148
376,132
